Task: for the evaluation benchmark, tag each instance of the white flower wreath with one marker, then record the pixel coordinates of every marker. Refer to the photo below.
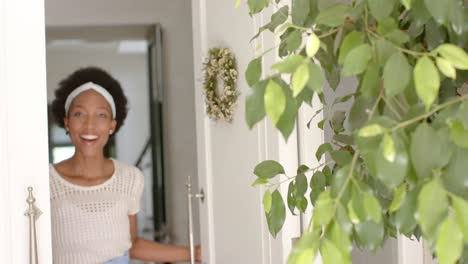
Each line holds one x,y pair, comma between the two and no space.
220,64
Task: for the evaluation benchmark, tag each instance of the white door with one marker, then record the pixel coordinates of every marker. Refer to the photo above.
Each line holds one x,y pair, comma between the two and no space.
23,129
233,227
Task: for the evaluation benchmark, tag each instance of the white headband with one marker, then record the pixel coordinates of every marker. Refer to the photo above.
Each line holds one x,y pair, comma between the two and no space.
88,86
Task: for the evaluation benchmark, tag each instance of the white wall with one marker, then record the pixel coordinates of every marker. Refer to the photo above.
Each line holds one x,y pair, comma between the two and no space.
179,120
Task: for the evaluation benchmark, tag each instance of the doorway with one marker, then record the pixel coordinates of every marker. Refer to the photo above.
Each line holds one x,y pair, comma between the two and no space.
132,54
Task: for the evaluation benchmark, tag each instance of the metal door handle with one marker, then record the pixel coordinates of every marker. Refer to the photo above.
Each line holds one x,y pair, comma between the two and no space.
33,214
200,196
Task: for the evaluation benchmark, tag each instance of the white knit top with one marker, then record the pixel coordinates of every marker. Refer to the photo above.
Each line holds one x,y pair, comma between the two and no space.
90,224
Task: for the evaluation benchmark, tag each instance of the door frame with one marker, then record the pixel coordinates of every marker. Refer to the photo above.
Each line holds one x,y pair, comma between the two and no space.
23,136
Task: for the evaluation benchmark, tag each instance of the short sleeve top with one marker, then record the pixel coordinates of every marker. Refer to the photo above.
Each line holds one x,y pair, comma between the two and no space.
90,223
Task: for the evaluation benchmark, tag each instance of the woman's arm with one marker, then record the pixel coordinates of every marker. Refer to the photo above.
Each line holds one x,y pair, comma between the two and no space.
152,251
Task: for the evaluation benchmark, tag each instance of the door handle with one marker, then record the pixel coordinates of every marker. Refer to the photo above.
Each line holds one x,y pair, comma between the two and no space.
33,214
200,196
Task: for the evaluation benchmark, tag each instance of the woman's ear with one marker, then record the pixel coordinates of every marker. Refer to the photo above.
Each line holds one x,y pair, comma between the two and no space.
65,123
113,125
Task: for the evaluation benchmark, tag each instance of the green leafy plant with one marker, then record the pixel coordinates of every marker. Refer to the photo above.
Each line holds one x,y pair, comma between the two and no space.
398,159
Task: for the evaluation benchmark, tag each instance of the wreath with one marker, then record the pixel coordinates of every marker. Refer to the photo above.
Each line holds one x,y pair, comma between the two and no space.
220,65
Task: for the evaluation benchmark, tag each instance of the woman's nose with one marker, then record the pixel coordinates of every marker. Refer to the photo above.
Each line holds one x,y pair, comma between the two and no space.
90,122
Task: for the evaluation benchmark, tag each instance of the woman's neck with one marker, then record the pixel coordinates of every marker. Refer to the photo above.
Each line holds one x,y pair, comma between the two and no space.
88,166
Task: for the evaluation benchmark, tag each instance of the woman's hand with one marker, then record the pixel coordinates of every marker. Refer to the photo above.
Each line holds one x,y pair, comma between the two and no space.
198,256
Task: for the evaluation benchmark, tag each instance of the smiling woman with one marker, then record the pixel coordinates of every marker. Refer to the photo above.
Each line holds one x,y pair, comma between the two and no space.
95,200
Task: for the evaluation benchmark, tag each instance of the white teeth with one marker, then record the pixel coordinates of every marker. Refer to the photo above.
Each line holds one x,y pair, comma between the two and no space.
89,137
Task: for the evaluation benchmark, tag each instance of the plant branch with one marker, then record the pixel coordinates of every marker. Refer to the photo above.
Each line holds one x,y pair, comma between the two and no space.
416,54
428,114
331,32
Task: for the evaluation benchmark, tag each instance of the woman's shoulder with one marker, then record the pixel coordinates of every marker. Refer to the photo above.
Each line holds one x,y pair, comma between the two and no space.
128,170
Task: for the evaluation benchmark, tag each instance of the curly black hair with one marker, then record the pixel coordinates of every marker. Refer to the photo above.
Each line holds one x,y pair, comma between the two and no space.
97,76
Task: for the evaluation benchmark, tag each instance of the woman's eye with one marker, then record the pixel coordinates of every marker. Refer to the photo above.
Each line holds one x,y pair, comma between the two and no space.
102,115
77,114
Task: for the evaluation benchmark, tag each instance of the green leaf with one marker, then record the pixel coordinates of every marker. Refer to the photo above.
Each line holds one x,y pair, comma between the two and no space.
426,80
278,18
457,16
449,244
255,104
316,78
317,185
446,68
370,83
359,113
305,250
432,208
275,101
291,40
268,169
259,181
458,134
256,6
373,207
398,198
302,169
384,50
381,9
460,207
388,148
254,71
339,179
392,173
397,74
407,4
277,214
371,130
404,217
313,45
425,150
292,197
370,234
345,139
357,59
299,79
286,123
267,200
290,64
333,16
337,121
343,219
323,210
352,40
341,157
434,34
438,9
456,55
301,188
386,26
324,148
340,239
300,10
331,254
456,178
356,207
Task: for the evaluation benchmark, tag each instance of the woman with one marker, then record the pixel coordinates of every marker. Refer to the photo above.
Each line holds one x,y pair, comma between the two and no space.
94,199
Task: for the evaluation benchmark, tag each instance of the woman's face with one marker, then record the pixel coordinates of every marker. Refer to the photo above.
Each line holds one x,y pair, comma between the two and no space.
89,123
